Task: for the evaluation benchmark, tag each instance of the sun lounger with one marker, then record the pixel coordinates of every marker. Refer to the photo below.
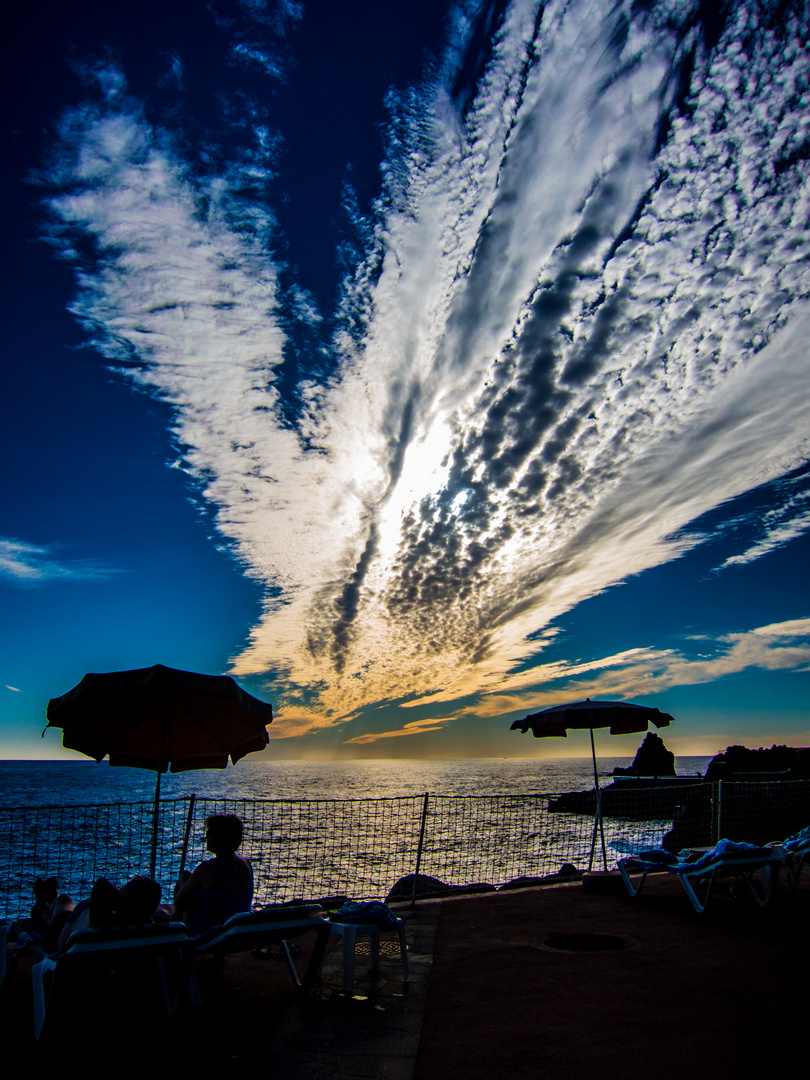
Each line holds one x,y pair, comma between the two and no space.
727,859
273,925
796,851
162,951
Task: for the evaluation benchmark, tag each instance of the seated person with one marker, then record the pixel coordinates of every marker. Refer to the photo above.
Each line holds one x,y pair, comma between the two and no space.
134,904
38,934
219,887
46,893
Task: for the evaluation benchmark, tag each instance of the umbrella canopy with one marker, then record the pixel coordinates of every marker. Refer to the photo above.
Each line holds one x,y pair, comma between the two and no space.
158,718
622,717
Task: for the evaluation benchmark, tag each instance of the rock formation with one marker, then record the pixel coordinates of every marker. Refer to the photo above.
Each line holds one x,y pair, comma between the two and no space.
738,762
652,759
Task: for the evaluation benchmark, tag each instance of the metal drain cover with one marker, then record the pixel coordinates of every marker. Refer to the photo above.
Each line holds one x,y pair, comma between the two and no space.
387,948
586,943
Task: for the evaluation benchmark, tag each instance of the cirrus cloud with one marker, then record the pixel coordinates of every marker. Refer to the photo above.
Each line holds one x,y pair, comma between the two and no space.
578,323
24,563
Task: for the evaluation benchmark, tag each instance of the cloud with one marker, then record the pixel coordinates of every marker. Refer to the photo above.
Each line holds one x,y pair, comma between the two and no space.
416,727
23,563
578,324
269,64
633,673
780,525
638,673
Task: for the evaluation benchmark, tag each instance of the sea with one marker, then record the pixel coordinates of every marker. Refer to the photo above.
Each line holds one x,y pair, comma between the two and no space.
51,783
312,828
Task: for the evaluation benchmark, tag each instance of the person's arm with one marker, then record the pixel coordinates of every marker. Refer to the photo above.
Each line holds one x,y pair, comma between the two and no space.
190,885
79,919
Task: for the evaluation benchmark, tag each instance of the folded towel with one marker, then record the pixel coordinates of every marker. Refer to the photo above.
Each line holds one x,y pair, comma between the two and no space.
659,859
798,840
726,850
368,911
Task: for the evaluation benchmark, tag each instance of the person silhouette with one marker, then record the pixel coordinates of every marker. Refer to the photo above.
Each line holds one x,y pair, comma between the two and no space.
218,887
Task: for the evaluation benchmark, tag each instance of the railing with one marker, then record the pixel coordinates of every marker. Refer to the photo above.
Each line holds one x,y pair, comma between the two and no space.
315,848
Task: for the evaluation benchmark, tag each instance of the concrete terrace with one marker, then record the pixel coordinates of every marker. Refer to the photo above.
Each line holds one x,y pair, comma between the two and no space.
723,994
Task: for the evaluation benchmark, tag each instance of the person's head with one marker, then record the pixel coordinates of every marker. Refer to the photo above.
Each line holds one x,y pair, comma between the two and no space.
46,890
223,833
142,896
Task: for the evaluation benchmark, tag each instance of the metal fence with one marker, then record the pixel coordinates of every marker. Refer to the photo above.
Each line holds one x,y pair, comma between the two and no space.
316,848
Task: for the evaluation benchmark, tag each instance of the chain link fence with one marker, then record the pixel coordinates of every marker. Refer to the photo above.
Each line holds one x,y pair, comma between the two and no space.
316,848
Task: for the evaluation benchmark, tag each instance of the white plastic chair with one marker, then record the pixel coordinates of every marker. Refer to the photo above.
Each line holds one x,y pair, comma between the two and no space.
350,933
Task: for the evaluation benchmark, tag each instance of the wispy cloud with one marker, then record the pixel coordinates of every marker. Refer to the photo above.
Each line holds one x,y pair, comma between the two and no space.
415,727
630,674
777,527
258,29
580,322
777,646
23,563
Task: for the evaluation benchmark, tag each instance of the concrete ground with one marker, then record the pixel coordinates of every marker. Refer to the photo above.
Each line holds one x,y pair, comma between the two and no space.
718,995
502,985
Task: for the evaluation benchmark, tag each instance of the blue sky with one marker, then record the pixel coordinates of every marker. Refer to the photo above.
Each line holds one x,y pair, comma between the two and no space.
420,365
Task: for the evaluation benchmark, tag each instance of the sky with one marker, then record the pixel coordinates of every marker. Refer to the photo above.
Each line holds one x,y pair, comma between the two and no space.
420,365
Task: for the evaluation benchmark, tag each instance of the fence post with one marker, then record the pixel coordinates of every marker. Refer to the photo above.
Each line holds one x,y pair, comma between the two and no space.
189,816
719,820
419,849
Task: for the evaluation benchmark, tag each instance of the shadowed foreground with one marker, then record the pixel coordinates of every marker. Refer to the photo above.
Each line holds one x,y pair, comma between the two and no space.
722,994
690,996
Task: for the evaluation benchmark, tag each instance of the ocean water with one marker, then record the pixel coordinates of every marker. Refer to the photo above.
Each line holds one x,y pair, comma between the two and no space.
311,828
58,783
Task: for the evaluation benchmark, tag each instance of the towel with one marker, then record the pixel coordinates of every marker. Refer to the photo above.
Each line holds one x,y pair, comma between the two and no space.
368,911
726,849
659,859
798,840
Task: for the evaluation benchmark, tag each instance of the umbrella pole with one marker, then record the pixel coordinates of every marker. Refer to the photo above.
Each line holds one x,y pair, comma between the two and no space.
153,856
597,821
189,816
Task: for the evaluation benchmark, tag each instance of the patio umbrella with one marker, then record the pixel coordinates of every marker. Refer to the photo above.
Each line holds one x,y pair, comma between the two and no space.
159,718
622,717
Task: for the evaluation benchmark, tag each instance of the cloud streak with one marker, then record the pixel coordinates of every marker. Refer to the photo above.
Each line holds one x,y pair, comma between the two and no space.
579,322
633,673
780,525
777,646
24,563
415,727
